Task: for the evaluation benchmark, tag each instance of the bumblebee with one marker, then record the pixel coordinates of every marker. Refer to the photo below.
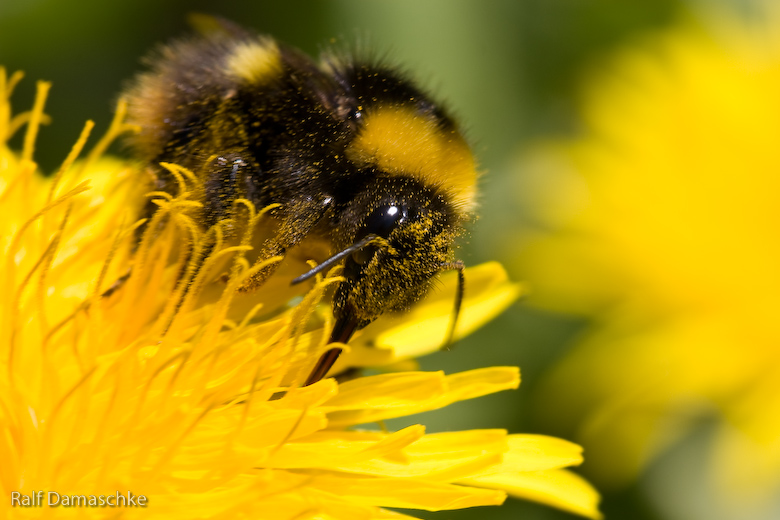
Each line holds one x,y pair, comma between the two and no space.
350,150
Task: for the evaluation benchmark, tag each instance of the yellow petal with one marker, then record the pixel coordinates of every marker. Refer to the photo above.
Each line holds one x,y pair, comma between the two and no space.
443,457
375,398
529,452
557,487
344,449
406,493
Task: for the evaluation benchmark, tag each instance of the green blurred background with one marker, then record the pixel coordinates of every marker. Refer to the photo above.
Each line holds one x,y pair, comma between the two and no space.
508,68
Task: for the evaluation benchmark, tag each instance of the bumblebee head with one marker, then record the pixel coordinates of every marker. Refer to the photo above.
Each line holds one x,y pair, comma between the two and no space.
402,234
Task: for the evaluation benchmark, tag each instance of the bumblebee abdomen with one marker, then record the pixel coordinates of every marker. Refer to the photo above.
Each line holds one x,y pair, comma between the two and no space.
190,82
246,115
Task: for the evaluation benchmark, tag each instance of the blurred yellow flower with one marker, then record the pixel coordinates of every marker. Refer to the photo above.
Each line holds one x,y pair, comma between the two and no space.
661,224
142,372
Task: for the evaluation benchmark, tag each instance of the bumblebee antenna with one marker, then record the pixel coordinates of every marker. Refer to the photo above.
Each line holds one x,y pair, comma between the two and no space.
459,266
327,264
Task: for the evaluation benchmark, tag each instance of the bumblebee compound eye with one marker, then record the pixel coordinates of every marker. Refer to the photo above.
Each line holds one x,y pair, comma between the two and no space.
381,222
384,219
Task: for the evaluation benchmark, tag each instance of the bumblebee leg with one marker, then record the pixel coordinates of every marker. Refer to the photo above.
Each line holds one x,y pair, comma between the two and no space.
227,177
298,218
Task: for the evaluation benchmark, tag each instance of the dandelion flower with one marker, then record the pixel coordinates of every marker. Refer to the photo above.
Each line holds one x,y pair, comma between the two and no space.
662,220
131,366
